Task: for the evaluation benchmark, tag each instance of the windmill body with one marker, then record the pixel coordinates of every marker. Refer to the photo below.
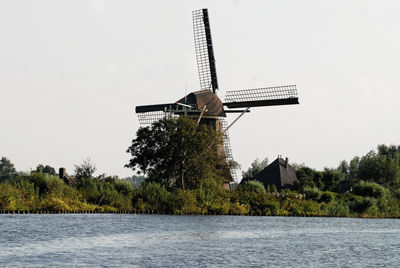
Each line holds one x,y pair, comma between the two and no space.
204,105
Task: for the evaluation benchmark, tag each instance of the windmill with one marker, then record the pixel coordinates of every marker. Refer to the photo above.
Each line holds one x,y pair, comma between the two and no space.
204,105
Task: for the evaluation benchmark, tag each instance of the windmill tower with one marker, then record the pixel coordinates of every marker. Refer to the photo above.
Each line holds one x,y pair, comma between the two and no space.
204,105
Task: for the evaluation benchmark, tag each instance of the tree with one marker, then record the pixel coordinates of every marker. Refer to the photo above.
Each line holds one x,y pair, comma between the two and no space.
6,167
135,180
353,168
391,150
178,153
344,167
45,169
380,168
255,168
85,170
331,179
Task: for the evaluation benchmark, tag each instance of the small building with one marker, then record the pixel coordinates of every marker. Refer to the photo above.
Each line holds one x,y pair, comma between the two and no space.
278,173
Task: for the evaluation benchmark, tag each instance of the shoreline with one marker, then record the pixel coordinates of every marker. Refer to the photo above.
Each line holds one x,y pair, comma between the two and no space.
133,212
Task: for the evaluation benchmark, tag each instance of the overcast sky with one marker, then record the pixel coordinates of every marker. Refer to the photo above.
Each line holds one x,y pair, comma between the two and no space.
72,72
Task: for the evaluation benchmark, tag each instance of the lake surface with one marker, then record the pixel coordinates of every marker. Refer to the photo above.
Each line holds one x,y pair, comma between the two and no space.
209,241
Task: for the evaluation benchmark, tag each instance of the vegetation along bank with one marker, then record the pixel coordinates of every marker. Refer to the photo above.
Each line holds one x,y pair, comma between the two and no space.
182,174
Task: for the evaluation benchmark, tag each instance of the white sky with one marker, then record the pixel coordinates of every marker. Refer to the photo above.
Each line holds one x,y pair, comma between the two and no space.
72,72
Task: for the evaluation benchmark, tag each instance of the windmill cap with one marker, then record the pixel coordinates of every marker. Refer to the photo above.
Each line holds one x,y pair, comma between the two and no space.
205,97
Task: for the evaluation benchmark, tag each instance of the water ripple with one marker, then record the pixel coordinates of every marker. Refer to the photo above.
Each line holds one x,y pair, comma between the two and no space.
174,241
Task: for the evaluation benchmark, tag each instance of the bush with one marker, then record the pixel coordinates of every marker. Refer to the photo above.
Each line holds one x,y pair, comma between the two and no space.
370,189
339,209
326,197
124,187
212,197
152,196
185,202
397,194
361,205
252,186
312,193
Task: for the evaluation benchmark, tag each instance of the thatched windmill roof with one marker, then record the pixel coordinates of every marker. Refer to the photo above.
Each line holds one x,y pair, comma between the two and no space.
205,97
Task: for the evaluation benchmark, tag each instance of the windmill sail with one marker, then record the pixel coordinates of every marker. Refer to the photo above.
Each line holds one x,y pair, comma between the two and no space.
147,114
228,149
204,50
154,107
270,96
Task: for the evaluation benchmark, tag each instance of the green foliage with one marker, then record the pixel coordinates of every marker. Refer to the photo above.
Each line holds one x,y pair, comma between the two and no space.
109,192
353,168
178,153
312,193
271,188
135,180
331,179
377,197
253,187
327,180
338,208
212,197
253,194
184,202
45,169
43,192
382,167
153,196
327,197
7,169
308,178
391,150
124,187
370,189
361,205
396,194
344,167
85,170
255,168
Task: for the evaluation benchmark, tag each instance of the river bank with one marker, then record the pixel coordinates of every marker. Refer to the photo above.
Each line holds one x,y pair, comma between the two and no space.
46,194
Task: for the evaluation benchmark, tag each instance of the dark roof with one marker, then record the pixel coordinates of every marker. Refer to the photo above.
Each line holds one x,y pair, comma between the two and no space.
276,173
205,97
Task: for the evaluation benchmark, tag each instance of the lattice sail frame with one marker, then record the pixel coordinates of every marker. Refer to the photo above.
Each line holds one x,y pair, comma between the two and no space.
259,94
228,149
148,118
204,50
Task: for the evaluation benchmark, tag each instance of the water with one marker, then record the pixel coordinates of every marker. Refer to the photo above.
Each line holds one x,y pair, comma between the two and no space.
215,241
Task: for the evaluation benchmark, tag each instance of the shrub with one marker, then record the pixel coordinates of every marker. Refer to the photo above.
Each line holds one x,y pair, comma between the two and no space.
370,189
340,209
361,205
185,202
397,194
89,190
124,187
212,197
237,208
326,197
312,193
252,186
152,196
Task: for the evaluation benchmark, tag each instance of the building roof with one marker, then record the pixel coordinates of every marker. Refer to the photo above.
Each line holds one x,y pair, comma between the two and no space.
205,97
277,173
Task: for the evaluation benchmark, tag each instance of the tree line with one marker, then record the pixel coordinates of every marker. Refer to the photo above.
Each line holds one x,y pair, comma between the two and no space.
182,171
